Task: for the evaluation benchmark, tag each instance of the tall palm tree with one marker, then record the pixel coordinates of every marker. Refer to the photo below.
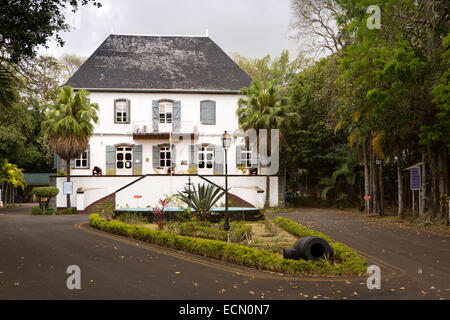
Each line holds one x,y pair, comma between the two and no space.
69,124
264,107
8,89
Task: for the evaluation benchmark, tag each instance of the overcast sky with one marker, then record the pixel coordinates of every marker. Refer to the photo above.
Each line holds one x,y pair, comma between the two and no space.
252,28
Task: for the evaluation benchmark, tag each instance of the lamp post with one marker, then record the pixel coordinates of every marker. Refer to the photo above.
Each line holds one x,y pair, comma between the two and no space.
226,141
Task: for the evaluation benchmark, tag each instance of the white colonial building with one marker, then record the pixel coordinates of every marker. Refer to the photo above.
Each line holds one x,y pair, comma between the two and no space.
165,102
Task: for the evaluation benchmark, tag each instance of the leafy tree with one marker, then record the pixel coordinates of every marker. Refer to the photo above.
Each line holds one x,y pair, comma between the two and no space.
27,24
69,124
11,177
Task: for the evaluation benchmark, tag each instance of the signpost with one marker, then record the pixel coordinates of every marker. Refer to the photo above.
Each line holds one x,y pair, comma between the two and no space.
415,184
67,187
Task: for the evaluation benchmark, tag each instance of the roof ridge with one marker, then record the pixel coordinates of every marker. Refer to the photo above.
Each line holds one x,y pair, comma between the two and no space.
160,35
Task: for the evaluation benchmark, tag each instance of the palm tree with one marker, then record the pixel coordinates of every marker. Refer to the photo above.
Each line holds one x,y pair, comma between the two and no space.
264,107
69,124
8,89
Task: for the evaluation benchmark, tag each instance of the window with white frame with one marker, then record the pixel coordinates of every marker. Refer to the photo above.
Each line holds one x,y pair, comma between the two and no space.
82,161
165,112
246,158
165,157
121,111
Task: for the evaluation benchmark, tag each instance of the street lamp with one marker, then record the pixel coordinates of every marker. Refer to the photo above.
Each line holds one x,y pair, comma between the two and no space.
226,141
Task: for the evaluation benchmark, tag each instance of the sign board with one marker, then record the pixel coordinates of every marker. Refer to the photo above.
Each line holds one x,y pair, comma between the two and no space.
415,178
367,197
67,187
137,196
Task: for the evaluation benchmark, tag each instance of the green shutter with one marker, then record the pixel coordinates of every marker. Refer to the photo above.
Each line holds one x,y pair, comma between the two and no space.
155,157
137,159
155,115
110,160
128,111
219,161
208,112
254,158
89,156
192,156
176,116
238,155
173,156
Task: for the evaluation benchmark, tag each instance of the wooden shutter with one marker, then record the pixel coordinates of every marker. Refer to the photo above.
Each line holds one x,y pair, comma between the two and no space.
128,111
110,160
219,160
192,156
88,156
137,159
173,156
176,116
208,112
155,115
239,148
155,157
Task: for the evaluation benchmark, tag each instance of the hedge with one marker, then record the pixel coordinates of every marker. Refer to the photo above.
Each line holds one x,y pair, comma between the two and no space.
350,260
220,250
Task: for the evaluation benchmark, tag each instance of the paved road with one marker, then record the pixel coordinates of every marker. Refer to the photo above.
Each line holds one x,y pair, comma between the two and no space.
35,252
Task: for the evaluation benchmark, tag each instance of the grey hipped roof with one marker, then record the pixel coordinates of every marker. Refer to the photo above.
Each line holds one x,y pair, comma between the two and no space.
159,63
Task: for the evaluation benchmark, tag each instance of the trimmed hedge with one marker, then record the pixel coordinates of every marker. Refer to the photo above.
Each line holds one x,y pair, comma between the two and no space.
230,252
350,260
38,211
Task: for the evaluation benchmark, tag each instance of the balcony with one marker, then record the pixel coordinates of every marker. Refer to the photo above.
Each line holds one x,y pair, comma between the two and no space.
144,129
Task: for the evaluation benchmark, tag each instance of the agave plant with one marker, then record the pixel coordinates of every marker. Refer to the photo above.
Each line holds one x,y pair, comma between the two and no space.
201,198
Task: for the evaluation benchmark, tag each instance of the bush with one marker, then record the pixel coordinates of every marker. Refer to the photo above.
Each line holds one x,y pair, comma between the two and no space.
66,211
230,252
37,211
349,259
133,218
44,192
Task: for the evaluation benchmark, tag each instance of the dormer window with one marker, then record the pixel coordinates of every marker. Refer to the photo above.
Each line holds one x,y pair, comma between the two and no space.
121,111
165,112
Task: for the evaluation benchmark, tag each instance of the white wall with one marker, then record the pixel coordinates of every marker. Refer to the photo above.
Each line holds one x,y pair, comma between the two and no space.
152,188
106,132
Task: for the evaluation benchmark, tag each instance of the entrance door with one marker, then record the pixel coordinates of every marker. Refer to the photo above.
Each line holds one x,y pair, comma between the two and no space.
206,160
124,160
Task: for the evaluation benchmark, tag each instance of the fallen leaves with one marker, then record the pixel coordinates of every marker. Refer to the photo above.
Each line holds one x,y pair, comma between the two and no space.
251,292
195,284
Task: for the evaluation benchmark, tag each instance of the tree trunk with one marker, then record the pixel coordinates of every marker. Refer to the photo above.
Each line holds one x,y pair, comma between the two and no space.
423,193
434,166
401,214
381,210
373,174
366,177
68,180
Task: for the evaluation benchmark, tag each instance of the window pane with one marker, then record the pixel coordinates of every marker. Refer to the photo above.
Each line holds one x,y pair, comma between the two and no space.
168,155
124,117
201,156
209,165
119,149
127,156
201,164
119,164
77,163
168,163
161,118
128,149
84,163
128,164
209,156
161,163
162,155
120,156
168,118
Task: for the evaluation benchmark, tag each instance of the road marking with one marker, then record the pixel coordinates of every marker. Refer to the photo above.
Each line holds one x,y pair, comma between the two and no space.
239,270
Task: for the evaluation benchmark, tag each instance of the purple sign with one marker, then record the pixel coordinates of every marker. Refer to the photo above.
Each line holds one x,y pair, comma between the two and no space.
415,181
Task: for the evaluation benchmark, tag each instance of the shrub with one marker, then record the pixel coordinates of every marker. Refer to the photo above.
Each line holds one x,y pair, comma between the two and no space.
231,252
44,193
132,218
37,211
270,228
66,211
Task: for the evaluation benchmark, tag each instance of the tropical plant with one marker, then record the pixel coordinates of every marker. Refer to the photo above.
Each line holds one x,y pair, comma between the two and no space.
201,198
69,124
11,177
44,195
8,89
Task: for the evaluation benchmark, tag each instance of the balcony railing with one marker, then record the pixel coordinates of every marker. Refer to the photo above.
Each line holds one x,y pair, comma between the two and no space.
145,129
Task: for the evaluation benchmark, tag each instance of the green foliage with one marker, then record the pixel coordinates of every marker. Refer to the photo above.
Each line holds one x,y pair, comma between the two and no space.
37,211
45,191
230,252
349,259
201,198
270,228
133,218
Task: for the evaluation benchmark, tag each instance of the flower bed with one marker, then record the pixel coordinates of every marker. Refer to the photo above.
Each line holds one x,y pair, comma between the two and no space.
220,250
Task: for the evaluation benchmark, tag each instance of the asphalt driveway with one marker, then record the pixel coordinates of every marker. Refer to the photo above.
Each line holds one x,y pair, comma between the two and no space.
35,252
